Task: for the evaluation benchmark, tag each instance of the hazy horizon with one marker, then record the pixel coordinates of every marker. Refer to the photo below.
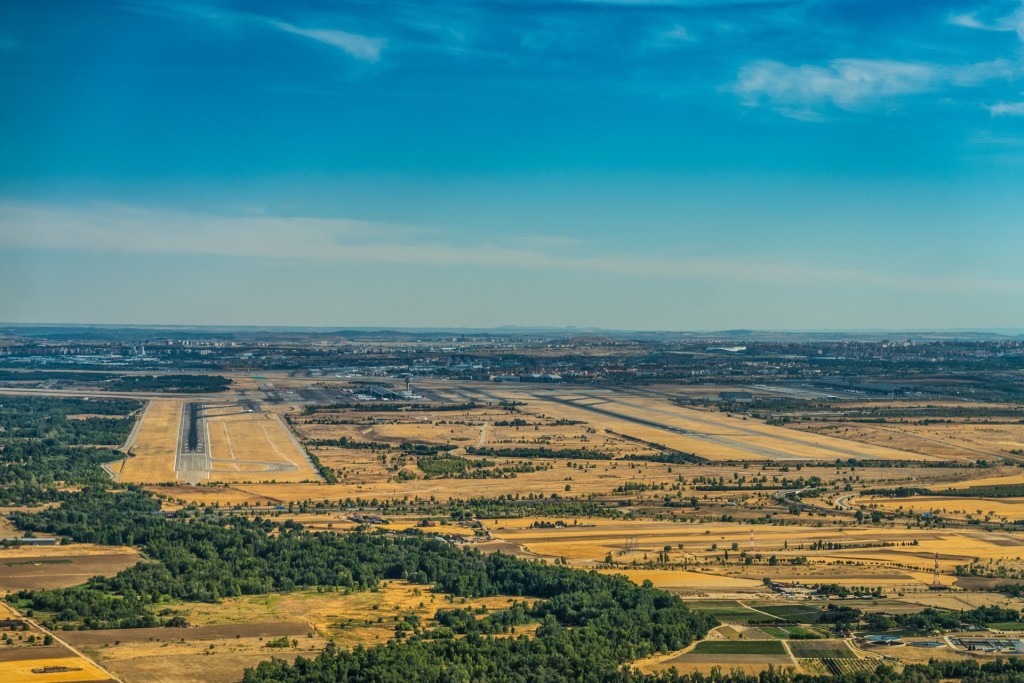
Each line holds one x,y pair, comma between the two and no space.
525,329
803,165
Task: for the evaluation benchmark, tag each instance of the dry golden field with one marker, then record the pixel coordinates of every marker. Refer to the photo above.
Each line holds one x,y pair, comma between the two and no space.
959,440
892,557
995,476
370,614
1011,509
155,446
475,427
65,670
372,481
362,475
253,447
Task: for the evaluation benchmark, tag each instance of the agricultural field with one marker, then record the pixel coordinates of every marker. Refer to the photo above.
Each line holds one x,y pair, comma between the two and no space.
748,656
859,556
730,648
821,649
728,611
935,428
1000,509
29,654
60,669
202,654
33,568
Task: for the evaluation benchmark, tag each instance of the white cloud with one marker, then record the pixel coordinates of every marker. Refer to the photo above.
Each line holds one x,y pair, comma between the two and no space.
852,84
1007,109
118,228
845,83
966,20
675,35
361,47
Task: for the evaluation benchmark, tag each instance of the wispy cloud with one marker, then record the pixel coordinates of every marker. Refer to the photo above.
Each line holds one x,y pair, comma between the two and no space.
1007,109
361,47
126,229
1012,22
674,37
966,21
853,84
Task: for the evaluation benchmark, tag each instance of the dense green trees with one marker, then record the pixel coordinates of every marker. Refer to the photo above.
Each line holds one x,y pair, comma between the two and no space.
184,384
591,624
45,419
33,472
552,656
540,452
38,445
180,384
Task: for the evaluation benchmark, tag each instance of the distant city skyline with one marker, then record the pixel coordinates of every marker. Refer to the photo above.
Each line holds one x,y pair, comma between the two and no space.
630,165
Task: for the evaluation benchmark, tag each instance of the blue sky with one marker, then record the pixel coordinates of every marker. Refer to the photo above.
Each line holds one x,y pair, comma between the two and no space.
642,165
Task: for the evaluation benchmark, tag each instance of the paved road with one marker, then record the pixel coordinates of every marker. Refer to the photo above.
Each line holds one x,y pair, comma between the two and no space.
841,501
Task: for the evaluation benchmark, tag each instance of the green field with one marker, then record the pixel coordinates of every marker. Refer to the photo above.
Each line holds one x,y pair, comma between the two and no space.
818,667
821,649
1008,625
727,611
787,632
740,647
801,614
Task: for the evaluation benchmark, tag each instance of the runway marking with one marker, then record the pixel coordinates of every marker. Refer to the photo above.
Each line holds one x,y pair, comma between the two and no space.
231,448
277,450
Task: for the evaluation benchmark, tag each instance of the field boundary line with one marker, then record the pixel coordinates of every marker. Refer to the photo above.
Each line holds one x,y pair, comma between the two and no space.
754,609
789,651
66,644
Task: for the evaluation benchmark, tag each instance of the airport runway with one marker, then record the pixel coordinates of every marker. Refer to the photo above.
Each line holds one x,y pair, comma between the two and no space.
763,451
694,416
192,462
580,401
